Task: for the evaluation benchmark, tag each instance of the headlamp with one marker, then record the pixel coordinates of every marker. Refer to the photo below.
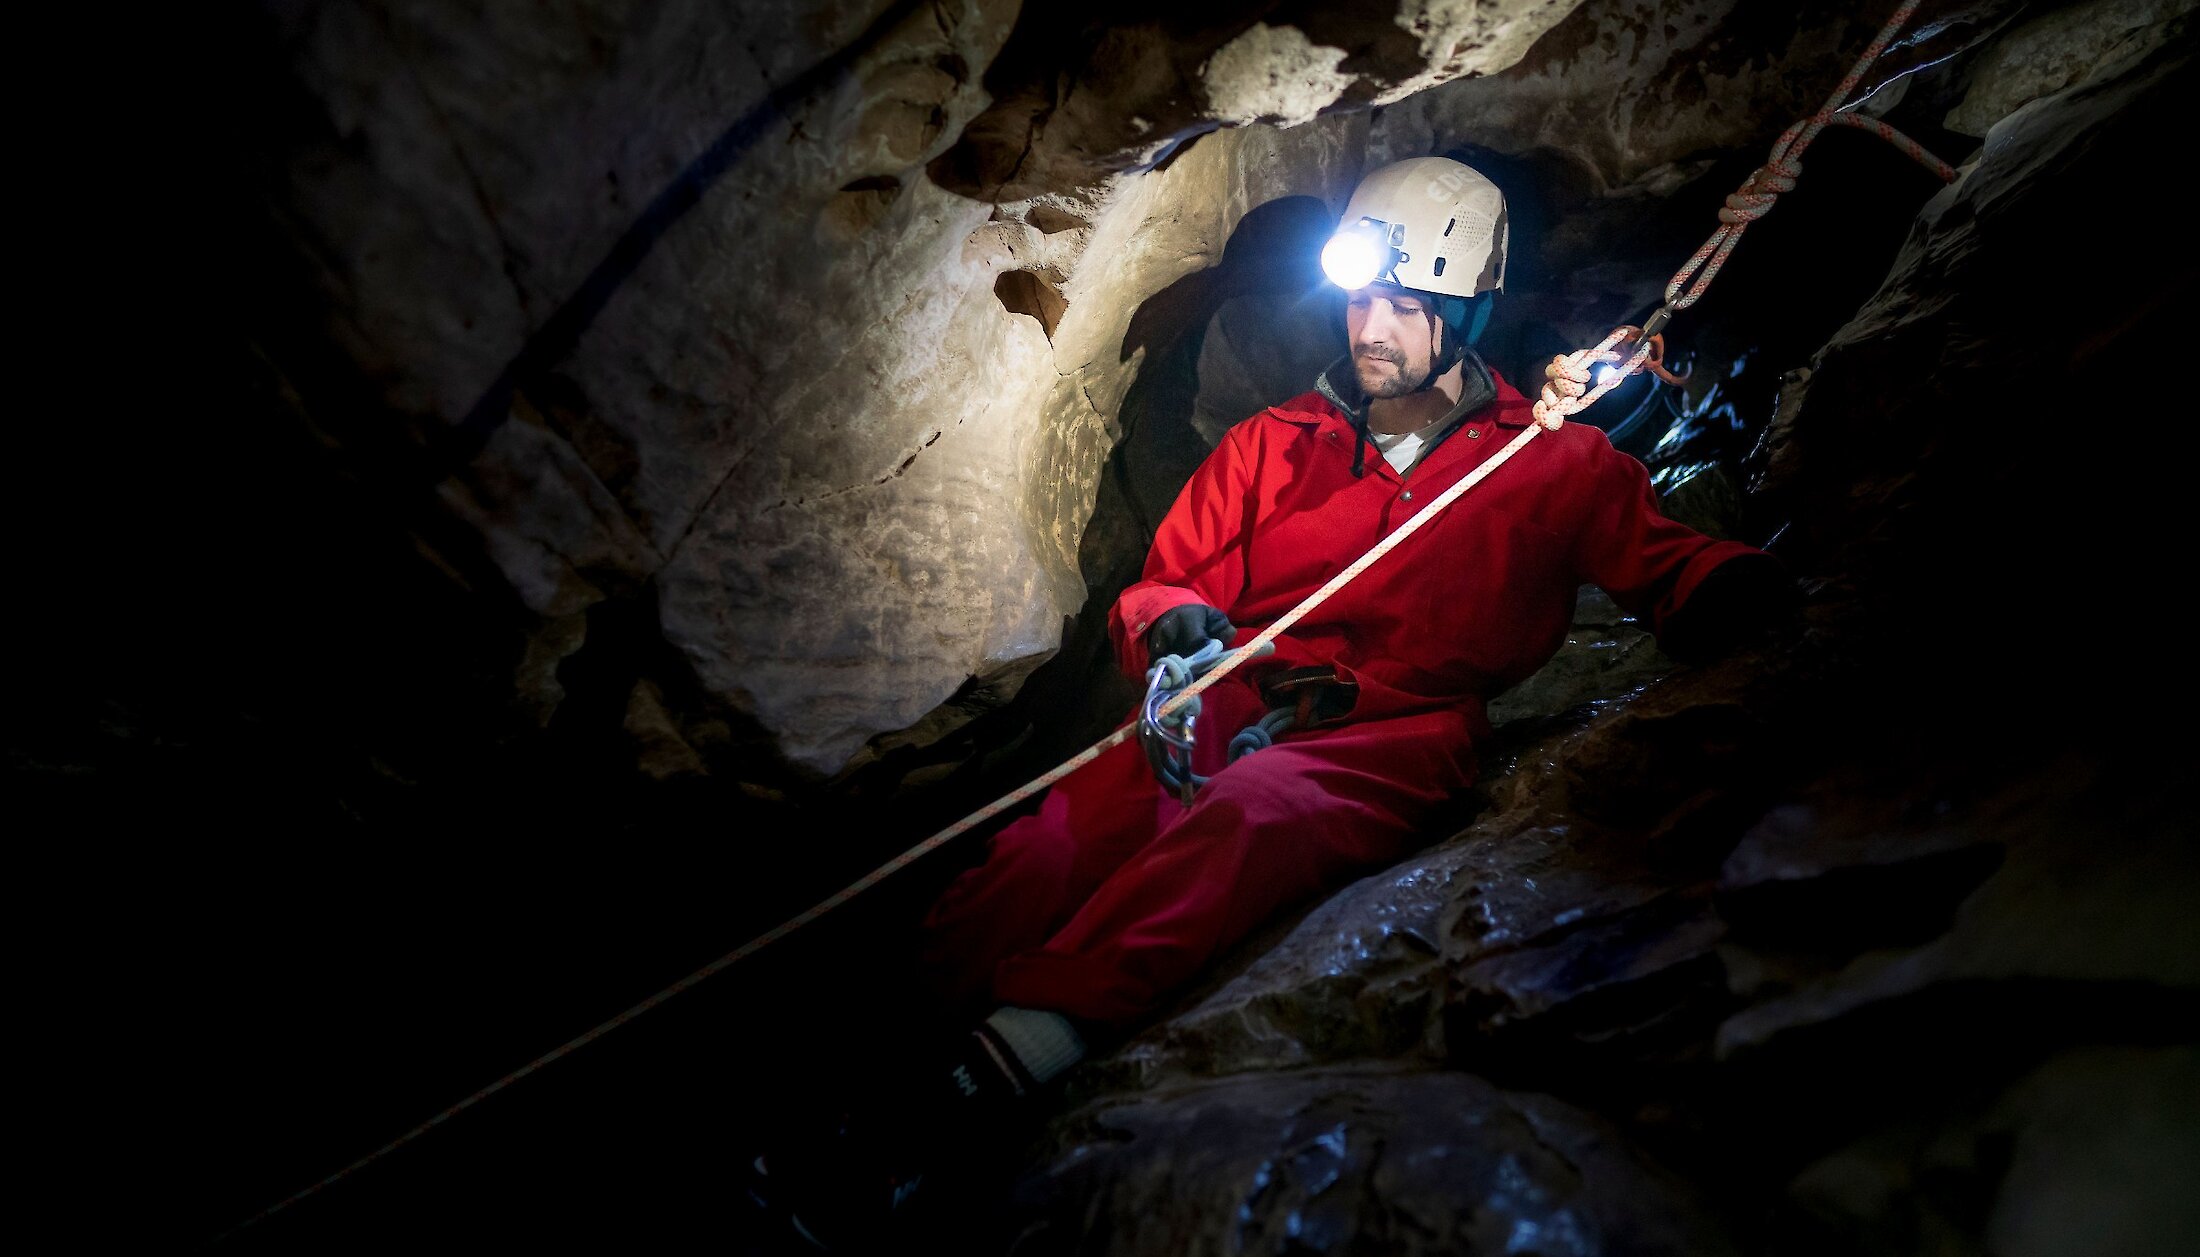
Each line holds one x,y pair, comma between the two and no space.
1363,252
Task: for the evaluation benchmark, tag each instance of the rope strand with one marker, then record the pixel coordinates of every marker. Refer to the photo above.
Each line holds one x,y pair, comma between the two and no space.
1565,392
1755,198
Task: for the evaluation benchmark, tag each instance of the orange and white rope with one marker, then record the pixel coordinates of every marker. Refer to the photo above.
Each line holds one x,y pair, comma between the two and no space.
1755,198
1565,392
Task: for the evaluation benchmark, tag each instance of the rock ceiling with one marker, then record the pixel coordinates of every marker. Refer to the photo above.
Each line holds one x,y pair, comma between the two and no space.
777,385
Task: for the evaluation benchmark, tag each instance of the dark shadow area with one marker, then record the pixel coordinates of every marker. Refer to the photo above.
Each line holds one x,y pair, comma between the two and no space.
310,870
1147,52
333,881
321,876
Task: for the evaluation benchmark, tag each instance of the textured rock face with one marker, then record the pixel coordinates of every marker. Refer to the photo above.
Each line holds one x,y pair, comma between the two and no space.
837,353
2056,50
1081,101
1893,977
730,327
842,422
1360,1161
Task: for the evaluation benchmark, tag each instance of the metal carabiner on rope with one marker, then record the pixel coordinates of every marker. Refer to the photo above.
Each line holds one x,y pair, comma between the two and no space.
1168,736
1168,732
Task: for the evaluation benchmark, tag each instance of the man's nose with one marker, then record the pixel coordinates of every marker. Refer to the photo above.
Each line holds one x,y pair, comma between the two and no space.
1382,323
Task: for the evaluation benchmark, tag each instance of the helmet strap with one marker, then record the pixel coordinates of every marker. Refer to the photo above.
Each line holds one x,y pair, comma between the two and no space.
1478,317
1449,334
1455,324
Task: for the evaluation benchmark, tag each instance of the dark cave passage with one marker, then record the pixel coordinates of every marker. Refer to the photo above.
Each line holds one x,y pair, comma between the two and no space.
542,599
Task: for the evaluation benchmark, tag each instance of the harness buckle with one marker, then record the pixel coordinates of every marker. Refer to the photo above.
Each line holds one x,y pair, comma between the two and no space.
1317,693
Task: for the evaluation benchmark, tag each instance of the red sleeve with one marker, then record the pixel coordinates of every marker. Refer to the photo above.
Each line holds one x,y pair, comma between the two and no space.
1197,553
1648,563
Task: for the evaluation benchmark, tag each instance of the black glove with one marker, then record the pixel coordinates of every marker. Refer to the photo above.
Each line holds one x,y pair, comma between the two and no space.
1183,630
1740,603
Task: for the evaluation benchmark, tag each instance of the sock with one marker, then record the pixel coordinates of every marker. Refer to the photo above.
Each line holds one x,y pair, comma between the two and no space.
1044,1043
1010,1055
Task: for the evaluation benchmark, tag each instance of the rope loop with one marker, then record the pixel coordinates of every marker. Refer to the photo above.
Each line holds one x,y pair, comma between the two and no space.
1755,198
1171,716
1654,363
1167,718
1566,379
1758,193
1175,673
1262,733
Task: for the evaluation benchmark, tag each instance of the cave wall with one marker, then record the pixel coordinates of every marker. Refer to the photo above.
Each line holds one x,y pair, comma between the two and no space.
738,315
764,387
1872,935
710,336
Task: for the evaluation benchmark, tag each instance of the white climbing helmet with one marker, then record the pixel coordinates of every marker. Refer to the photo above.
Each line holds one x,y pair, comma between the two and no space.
1428,223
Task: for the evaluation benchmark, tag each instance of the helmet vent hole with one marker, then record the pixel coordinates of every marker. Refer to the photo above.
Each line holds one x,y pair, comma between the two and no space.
1439,268
1449,225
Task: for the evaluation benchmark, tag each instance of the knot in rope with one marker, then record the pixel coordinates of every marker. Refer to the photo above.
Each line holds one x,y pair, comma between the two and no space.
1765,184
1755,198
1169,674
1566,377
1566,388
1167,719
1262,733
1564,382
1177,672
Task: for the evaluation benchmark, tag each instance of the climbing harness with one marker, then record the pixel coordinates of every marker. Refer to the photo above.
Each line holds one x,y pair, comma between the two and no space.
1171,714
1297,698
1165,728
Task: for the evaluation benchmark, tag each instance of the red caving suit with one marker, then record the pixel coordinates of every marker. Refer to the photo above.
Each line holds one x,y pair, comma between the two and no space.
1113,895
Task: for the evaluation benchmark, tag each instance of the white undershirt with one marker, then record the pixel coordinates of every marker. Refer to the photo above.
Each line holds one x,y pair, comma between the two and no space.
1403,449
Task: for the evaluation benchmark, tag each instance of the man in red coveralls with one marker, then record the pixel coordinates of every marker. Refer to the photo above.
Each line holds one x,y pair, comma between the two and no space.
1086,916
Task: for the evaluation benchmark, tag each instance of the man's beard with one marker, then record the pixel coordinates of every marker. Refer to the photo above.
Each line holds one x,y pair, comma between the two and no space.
1378,382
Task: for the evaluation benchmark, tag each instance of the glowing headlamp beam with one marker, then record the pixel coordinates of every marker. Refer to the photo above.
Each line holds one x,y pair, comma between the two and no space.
1358,255
1352,261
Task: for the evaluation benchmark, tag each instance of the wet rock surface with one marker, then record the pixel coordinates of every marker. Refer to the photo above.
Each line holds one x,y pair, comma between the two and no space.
706,442
1848,962
1342,1160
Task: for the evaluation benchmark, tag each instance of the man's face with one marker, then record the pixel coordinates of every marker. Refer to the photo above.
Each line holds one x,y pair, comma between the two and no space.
1392,344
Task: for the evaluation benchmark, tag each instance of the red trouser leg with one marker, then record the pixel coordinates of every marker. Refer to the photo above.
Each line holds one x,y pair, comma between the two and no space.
1037,872
1113,896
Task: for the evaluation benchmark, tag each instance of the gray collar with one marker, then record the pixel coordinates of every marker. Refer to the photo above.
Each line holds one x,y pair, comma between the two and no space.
1477,388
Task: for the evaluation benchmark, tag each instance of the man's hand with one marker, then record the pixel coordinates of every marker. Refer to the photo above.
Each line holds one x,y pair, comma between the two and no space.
1740,604
1183,630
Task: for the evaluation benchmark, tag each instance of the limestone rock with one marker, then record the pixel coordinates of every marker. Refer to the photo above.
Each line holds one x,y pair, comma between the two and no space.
463,174
1274,74
1079,105
2087,1150
815,334
2062,906
2102,1157
1335,1161
726,270
1606,655
952,555
2058,49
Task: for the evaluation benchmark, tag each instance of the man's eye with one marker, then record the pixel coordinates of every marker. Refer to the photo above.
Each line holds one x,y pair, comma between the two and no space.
1406,307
